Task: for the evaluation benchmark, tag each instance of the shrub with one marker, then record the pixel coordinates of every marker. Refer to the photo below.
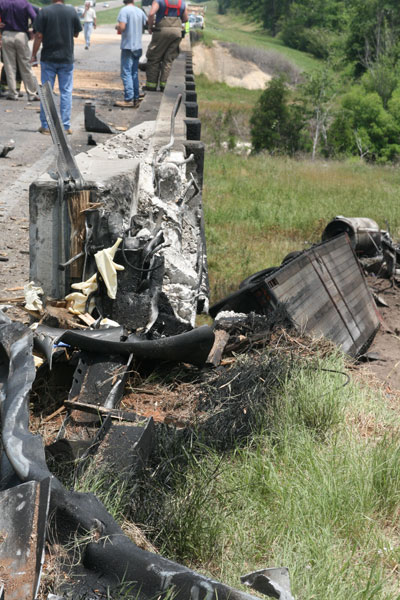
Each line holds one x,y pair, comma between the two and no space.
276,125
362,126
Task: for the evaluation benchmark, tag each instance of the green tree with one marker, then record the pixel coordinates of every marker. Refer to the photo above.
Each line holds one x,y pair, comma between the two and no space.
363,127
276,125
374,30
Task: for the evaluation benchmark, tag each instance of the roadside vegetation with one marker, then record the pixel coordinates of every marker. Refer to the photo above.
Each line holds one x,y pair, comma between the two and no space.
324,503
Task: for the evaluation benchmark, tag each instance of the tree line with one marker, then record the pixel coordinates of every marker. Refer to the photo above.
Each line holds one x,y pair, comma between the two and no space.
351,105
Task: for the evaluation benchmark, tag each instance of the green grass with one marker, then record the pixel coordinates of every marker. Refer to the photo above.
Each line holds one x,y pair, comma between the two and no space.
239,29
108,17
259,208
310,491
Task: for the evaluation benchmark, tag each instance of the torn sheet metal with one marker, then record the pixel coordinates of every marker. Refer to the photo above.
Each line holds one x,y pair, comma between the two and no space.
23,457
365,234
323,292
273,582
93,122
23,520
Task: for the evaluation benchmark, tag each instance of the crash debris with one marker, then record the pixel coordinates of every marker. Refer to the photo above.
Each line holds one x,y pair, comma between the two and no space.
118,275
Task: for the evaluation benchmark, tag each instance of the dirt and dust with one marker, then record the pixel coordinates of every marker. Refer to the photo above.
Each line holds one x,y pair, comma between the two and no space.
218,64
385,349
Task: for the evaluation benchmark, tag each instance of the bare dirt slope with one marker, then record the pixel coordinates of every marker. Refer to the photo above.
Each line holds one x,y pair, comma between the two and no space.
218,64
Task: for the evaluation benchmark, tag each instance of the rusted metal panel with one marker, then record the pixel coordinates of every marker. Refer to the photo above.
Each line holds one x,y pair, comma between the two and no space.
325,293
23,518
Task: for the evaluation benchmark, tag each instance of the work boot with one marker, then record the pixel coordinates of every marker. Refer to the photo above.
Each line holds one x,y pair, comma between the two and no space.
124,103
136,103
44,130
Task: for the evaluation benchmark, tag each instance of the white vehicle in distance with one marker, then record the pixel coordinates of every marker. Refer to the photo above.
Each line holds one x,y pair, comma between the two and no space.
196,21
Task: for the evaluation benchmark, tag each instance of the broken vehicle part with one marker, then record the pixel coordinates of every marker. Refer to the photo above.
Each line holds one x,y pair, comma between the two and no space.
113,558
66,164
365,234
192,346
6,148
23,521
23,457
323,292
92,121
273,582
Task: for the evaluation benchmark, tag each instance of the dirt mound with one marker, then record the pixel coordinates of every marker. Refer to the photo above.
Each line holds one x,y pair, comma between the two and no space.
218,64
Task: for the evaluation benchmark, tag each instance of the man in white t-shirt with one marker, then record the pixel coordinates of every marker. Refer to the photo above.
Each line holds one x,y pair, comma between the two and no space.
130,23
89,23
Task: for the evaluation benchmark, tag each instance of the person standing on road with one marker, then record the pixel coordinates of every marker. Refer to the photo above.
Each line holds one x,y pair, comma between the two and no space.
165,23
89,22
56,26
15,16
131,21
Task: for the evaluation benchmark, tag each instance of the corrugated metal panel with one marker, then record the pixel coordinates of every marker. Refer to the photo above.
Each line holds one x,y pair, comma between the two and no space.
325,293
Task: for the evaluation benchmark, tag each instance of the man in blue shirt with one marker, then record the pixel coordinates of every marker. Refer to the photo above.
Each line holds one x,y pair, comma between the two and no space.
15,16
165,22
131,21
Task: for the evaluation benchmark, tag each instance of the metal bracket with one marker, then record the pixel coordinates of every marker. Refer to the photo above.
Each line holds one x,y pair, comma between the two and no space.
66,166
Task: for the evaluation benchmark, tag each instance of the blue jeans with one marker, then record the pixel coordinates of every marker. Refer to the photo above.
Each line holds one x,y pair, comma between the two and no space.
129,73
64,72
87,30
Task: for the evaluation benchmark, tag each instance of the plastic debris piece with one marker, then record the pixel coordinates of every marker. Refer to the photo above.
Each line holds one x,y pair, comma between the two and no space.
77,300
108,268
32,300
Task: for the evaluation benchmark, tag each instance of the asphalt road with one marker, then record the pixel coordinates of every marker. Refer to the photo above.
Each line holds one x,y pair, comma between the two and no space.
96,78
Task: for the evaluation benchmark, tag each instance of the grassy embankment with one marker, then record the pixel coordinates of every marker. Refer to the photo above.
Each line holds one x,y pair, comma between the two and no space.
326,506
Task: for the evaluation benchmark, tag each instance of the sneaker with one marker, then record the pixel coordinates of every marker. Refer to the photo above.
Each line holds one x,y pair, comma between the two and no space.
20,94
124,103
34,98
44,130
68,131
11,97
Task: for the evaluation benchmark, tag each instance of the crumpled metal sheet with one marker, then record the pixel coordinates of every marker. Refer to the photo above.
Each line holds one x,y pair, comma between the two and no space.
24,458
273,582
23,520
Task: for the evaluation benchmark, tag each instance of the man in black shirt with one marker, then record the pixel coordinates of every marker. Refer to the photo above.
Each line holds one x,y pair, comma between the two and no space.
56,26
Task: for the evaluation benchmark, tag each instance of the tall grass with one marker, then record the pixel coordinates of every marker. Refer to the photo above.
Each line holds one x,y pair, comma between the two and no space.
259,208
304,493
